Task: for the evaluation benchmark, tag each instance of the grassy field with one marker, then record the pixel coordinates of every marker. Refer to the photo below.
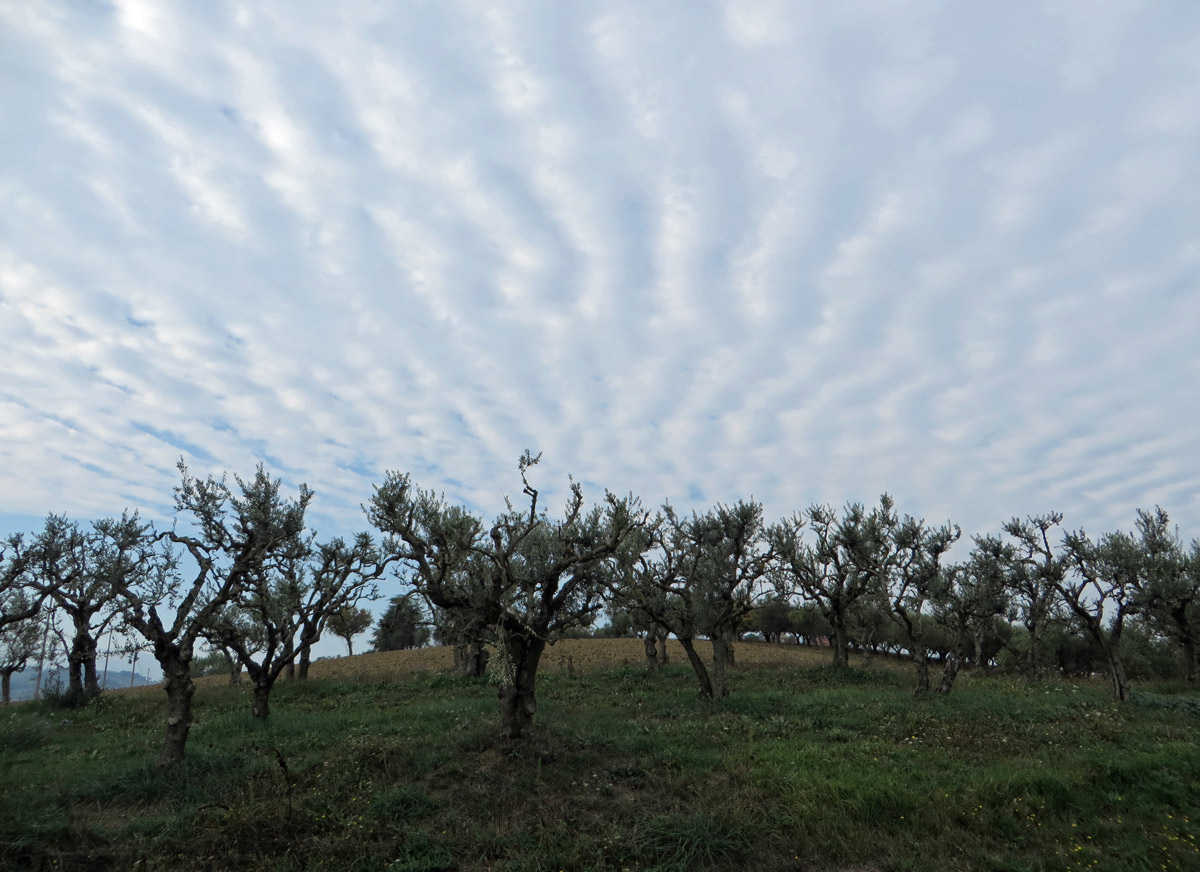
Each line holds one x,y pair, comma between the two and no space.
384,762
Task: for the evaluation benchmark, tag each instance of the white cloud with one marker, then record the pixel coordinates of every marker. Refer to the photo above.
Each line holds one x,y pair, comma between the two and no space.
698,253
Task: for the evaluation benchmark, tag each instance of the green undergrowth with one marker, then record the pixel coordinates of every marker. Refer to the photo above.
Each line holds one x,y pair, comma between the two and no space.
800,769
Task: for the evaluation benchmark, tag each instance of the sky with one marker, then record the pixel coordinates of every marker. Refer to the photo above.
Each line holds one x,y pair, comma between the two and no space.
698,251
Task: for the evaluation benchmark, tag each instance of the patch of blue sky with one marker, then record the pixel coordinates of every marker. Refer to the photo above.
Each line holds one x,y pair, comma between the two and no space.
174,440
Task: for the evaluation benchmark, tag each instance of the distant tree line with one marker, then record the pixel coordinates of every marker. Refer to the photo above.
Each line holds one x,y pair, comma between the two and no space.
241,574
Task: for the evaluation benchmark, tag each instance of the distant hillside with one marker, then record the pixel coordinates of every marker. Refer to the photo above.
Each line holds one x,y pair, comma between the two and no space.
23,682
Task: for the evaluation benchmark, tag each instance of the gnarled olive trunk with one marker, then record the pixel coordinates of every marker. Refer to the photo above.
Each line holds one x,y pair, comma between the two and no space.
921,659
979,664
6,685
1118,680
471,658
177,682
91,679
650,642
946,684
689,647
81,667
1189,650
518,701
722,659
260,707
264,679
840,640
1035,665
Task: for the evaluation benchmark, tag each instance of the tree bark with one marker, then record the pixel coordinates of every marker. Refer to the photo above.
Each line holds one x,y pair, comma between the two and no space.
261,706
1034,665
177,682
706,688
235,671
1189,659
518,701
946,684
721,658
302,666
841,644
91,681
6,685
663,634
921,658
473,659
650,642
74,675
81,660
1117,677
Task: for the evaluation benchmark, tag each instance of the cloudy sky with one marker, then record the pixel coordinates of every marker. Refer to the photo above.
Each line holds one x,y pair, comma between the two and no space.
696,250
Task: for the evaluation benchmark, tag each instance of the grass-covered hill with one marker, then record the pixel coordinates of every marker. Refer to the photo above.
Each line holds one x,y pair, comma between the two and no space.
387,762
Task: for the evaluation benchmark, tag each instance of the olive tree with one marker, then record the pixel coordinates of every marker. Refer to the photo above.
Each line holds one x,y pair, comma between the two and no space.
230,537
973,597
286,601
915,581
81,573
16,605
699,576
1170,595
19,640
1101,592
847,561
1038,570
527,575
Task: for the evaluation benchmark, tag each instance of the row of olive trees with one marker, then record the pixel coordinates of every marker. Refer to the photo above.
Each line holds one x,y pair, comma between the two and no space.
238,569
869,573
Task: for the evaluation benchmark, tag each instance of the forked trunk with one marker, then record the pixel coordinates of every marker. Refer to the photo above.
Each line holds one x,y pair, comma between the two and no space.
689,647
177,682
518,701
663,634
82,659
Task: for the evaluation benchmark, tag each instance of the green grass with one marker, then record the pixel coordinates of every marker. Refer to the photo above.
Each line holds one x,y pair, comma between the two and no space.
801,769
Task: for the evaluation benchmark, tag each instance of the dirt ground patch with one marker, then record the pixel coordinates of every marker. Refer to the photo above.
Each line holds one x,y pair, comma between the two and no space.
583,655
578,654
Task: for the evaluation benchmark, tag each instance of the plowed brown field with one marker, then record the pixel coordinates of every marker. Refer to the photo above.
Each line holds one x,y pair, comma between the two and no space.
579,654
